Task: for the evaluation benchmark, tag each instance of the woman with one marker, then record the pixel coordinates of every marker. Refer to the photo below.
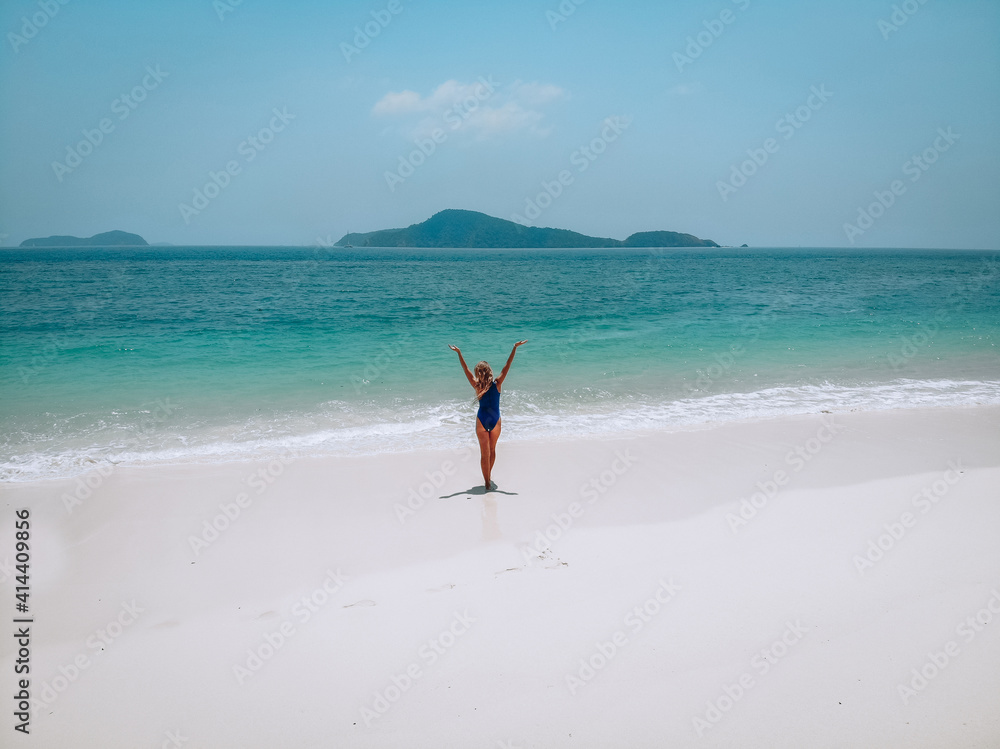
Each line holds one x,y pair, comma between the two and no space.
488,419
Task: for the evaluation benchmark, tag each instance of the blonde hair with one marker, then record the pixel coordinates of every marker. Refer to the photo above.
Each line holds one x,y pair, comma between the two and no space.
483,375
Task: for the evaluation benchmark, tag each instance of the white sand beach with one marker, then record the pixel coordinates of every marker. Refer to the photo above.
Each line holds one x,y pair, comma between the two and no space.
854,602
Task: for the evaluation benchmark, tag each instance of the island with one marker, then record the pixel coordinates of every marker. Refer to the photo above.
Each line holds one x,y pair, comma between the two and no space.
458,228
106,239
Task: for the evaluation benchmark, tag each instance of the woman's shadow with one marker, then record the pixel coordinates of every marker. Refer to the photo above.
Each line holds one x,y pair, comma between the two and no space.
491,524
478,491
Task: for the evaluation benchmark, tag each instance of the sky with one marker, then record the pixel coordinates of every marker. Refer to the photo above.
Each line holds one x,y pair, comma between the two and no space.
198,122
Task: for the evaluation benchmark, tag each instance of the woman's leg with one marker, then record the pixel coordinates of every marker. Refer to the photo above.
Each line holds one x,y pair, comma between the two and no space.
484,452
494,436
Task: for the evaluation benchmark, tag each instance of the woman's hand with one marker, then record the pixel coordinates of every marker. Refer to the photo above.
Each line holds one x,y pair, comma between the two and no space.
520,343
465,367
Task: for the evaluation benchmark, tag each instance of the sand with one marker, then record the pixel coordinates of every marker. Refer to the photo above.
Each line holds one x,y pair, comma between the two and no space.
817,581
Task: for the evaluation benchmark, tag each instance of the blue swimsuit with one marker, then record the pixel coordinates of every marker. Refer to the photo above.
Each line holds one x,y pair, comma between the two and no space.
489,408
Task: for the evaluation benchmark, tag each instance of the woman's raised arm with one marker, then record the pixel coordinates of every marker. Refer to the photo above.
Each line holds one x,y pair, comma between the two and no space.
465,367
510,360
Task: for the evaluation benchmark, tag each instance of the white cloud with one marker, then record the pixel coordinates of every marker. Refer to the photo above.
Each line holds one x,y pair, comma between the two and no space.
398,103
536,94
482,107
686,89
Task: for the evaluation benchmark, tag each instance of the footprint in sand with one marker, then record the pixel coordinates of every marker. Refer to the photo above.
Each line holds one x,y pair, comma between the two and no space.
544,560
509,569
441,588
365,602
551,562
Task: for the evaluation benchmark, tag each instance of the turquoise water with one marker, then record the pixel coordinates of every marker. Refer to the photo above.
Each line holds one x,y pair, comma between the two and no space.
195,353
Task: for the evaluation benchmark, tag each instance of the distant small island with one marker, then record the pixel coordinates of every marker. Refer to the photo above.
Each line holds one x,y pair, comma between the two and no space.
107,239
457,228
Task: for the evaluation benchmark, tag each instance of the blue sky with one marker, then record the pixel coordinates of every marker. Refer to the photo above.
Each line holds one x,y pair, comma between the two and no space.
504,97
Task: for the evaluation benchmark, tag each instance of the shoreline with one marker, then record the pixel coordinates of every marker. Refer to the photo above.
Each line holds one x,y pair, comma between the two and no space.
672,417
314,596
703,431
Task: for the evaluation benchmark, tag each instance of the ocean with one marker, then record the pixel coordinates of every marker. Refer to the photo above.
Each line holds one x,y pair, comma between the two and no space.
168,354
